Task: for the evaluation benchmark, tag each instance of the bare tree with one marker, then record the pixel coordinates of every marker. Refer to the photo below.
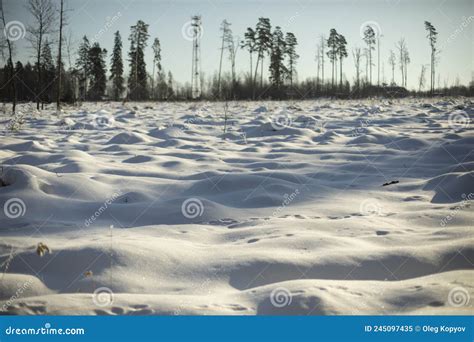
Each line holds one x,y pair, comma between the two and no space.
402,54
232,46
44,17
421,81
320,55
406,61
378,58
9,45
60,47
392,61
225,27
367,61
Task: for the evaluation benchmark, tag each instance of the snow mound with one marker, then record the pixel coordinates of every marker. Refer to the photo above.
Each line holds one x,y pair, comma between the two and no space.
127,138
451,187
260,109
167,133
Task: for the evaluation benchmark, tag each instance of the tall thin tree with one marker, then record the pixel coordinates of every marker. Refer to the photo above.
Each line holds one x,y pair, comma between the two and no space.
137,80
156,47
357,56
432,37
401,47
392,61
263,41
225,27
60,48
232,46
341,54
250,44
369,39
332,44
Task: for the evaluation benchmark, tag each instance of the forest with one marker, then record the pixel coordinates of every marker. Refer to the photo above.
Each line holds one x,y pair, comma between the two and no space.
63,73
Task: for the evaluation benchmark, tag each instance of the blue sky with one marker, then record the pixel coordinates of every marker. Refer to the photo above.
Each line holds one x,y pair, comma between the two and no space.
307,19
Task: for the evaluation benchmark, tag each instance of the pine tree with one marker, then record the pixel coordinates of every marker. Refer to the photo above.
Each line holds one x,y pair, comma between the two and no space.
83,65
341,53
332,43
432,37
250,44
98,77
156,47
290,44
116,69
137,81
369,39
277,68
48,70
263,40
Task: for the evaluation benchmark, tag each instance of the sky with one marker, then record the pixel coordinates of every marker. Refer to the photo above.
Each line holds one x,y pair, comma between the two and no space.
307,19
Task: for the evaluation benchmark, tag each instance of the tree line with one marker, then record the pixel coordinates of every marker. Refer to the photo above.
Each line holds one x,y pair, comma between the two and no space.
47,79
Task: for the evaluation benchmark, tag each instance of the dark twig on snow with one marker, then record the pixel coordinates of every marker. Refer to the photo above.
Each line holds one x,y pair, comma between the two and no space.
390,183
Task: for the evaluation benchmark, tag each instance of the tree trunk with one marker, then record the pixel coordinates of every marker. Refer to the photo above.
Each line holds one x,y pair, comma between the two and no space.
220,67
58,94
340,71
38,71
